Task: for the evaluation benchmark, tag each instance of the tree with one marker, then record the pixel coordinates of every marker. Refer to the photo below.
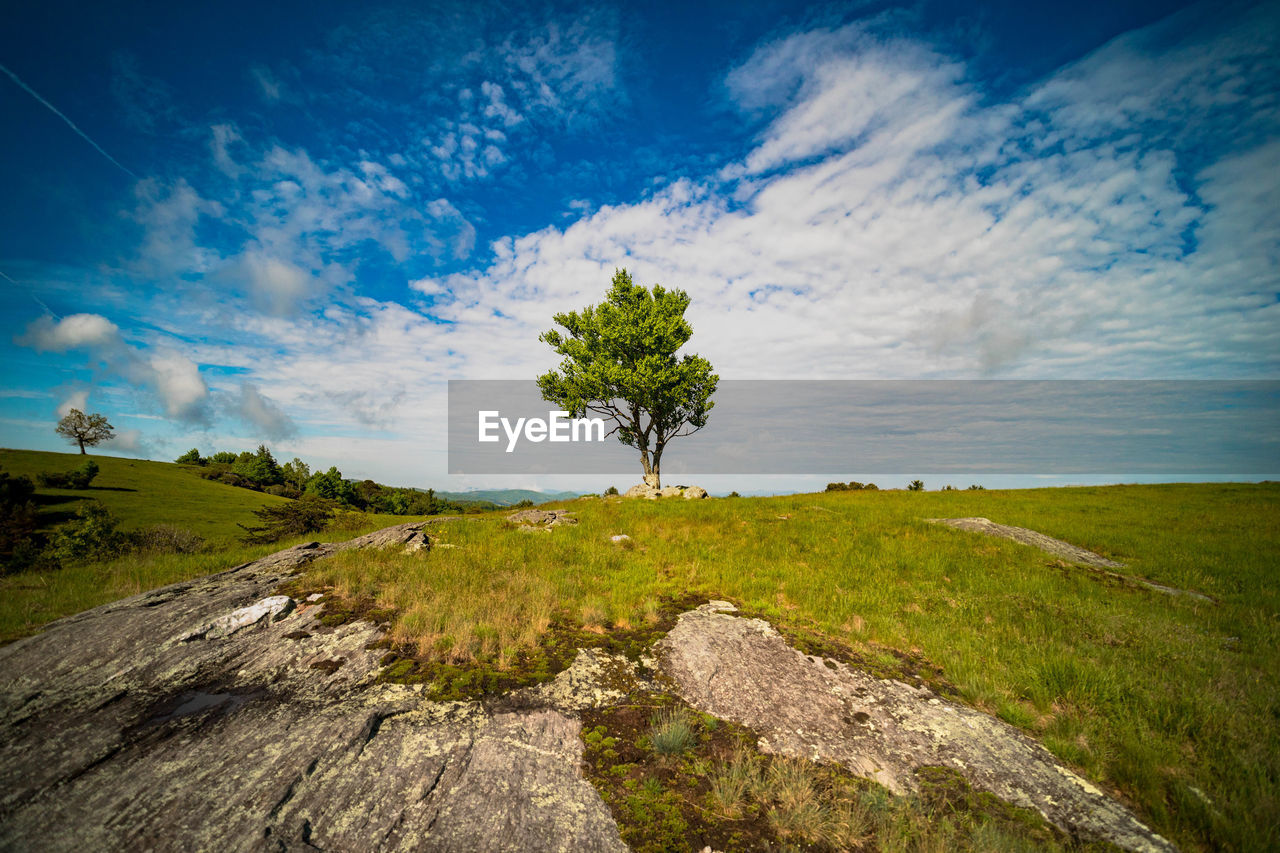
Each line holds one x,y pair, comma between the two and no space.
259,467
79,428
620,362
915,486
191,457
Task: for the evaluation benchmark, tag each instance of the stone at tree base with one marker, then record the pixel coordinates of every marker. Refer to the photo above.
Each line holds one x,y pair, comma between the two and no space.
743,670
652,481
670,492
695,493
641,490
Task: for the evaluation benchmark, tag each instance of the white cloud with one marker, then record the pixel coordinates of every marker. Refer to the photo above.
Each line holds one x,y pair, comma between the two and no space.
565,69
75,331
173,377
76,400
277,287
263,414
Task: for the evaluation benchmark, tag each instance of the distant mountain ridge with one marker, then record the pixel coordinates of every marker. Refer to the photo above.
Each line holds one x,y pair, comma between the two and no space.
508,497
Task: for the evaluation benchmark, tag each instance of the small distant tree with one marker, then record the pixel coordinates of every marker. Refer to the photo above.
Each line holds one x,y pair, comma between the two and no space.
612,490
191,457
223,457
916,486
976,488
620,362
331,485
85,430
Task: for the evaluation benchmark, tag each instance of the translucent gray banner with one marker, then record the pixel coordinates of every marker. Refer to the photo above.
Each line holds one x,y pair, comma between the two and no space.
1207,427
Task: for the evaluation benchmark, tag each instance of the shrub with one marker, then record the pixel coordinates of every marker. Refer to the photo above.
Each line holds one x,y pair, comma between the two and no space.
18,547
225,457
976,488
80,478
523,504
92,536
949,488
191,457
612,490
282,490
851,486
734,495
167,539
916,486
871,487
309,514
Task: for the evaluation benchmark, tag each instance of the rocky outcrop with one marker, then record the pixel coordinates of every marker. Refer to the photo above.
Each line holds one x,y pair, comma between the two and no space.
541,519
214,715
1065,550
1047,544
644,490
743,670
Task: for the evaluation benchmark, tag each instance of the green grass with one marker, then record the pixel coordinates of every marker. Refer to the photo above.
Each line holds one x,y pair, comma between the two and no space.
1170,703
1151,696
141,494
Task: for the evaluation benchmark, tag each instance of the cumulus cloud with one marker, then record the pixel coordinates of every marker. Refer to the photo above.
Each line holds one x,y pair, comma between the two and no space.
171,376
263,414
76,400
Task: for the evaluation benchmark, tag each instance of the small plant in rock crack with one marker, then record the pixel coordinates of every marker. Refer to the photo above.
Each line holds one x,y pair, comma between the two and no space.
671,732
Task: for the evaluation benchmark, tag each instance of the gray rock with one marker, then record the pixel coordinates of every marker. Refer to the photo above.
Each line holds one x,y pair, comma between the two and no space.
256,727
695,493
743,670
670,492
542,517
642,490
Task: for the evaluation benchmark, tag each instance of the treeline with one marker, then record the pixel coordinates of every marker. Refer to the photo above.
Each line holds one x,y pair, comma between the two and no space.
260,471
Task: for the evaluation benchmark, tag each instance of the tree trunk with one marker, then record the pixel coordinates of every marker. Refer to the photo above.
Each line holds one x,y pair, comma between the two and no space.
81,440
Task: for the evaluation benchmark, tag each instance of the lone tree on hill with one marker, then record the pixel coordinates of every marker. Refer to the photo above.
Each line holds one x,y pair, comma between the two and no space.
620,362
79,428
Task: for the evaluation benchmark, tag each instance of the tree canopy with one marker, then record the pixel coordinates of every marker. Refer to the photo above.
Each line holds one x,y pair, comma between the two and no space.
620,362
85,430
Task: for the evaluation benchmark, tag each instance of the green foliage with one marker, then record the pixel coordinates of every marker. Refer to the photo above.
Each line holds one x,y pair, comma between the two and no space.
949,488
92,536
84,430
77,479
915,486
259,468
976,488
192,457
851,486
609,492
331,486
296,473
620,362
308,514
18,545
734,494
224,457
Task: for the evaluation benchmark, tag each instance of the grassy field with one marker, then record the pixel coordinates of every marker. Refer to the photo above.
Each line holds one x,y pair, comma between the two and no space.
1170,702
140,493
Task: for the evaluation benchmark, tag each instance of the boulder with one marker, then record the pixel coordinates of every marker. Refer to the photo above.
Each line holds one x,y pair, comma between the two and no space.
542,518
670,492
695,493
641,490
743,670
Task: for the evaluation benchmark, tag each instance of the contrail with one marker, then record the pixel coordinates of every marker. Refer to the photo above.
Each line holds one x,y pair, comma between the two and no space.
71,124
12,280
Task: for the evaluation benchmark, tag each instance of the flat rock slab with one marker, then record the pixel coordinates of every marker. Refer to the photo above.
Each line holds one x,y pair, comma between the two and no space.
215,715
743,670
1048,544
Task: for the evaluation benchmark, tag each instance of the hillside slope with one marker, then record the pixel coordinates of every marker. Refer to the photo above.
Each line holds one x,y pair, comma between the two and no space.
141,493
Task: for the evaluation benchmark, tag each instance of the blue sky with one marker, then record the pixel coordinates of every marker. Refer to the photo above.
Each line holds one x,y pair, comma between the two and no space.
293,223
